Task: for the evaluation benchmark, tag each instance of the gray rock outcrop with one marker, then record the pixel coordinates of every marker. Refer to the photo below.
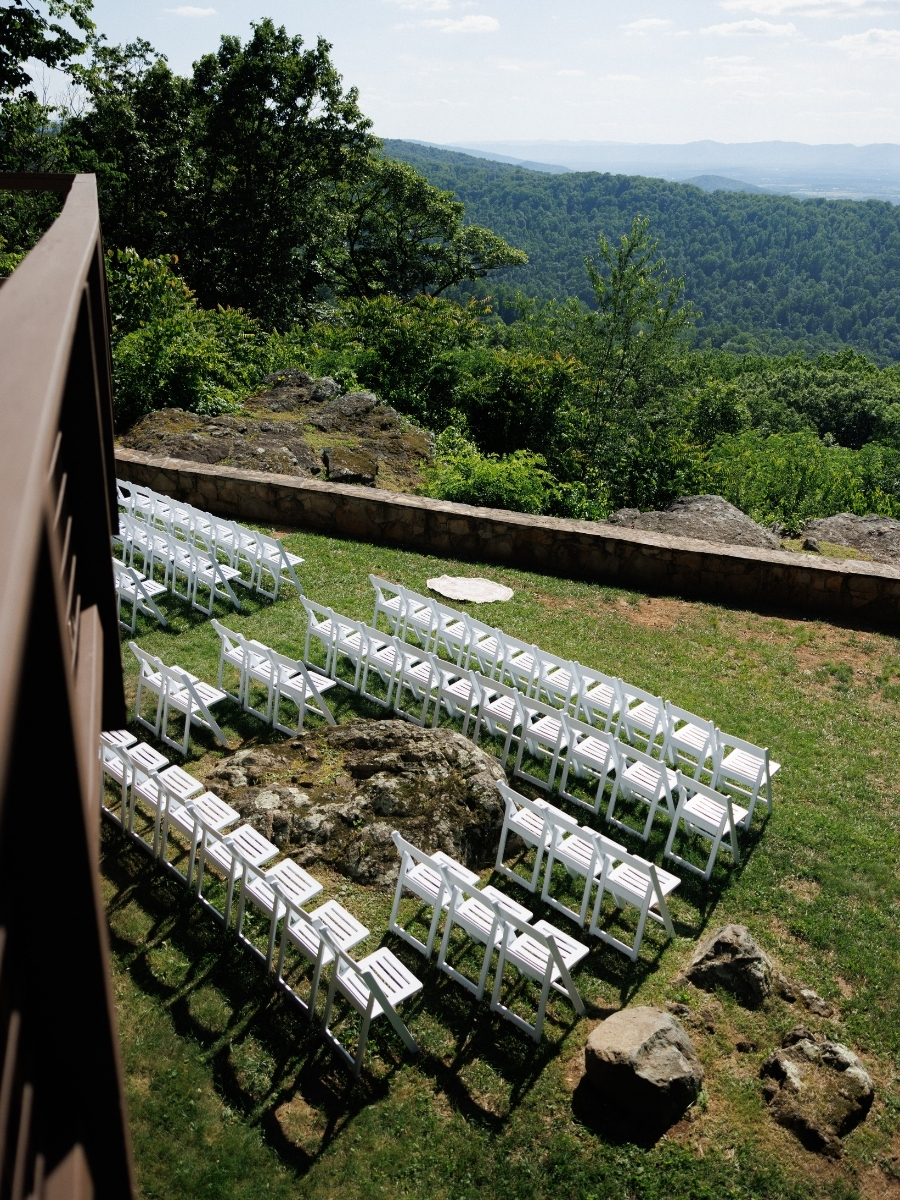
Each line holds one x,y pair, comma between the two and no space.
817,1088
878,537
710,518
334,795
296,426
729,958
643,1063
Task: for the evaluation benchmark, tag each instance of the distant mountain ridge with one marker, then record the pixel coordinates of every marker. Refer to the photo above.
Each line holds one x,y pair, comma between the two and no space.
767,272
789,168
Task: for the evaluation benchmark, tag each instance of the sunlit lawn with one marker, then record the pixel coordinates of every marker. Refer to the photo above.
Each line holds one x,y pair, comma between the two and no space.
231,1094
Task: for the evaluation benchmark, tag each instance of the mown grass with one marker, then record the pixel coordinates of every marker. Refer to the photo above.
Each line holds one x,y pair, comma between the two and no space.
231,1095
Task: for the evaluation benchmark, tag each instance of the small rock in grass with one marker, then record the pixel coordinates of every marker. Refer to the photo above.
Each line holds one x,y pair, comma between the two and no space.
819,1089
815,1003
812,544
785,988
730,958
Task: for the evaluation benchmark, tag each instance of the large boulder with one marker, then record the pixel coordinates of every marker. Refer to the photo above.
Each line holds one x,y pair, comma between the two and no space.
709,518
296,425
817,1088
334,795
877,537
729,958
644,1065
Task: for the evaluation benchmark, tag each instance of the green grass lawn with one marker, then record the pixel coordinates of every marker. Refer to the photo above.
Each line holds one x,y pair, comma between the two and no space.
232,1095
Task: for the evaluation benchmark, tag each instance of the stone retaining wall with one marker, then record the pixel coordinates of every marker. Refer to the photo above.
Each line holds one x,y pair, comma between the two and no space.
621,557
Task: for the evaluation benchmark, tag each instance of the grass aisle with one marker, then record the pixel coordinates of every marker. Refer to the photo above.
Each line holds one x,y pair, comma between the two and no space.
231,1096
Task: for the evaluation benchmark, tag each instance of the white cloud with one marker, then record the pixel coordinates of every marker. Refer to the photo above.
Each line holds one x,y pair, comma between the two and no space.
189,10
724,61
754,26
621,79
466,25
811,8
874,43
570,72
645,24
423,5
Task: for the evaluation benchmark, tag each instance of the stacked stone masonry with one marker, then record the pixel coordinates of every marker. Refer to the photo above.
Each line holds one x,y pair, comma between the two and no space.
595,551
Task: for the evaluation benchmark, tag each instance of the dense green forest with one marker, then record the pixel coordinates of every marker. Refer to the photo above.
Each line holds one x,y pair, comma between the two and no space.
253,223
768,273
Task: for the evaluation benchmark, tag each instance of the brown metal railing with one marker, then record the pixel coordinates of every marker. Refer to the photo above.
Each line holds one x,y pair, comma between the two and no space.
63,1126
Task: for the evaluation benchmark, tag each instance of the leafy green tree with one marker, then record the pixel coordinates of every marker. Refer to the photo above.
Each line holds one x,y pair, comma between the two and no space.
27,33
401,236
135,135
274,140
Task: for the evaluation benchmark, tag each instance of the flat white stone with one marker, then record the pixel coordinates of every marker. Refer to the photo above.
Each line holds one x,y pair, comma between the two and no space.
480,591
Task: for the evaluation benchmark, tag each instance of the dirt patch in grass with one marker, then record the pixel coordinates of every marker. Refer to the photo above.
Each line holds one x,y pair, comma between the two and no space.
657,612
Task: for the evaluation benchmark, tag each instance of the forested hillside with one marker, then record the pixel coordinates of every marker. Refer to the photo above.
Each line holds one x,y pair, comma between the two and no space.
767,272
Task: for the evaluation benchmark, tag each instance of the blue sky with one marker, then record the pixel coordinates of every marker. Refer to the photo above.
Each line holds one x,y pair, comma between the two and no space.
478,70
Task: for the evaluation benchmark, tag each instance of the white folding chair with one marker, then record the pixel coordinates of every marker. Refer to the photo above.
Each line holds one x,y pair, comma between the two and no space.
190,819
449,633
418,673
377,653
134,589
388,603
543,954
418,615
425,876
455,693
261,671
642,717
304,689
598,699
557,680
528,820
302,930
150,679
321,625
191,698
545,734
114,765
278,563
264,891
484,648
499,710
690,741
374,986
581,851
243,849
480,914
153,790
745,769
216,578
637,883
591,754
518,665
710,814
643,778
231,654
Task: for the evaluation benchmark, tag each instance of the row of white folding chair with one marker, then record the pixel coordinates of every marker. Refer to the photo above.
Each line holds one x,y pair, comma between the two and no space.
134,589
264,555
538,951
282,678
580,750
629,879
186,570
175,690
655,725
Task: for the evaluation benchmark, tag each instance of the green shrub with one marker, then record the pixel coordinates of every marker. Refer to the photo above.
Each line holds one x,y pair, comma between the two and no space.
519,481
142,290
793,477
202,361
